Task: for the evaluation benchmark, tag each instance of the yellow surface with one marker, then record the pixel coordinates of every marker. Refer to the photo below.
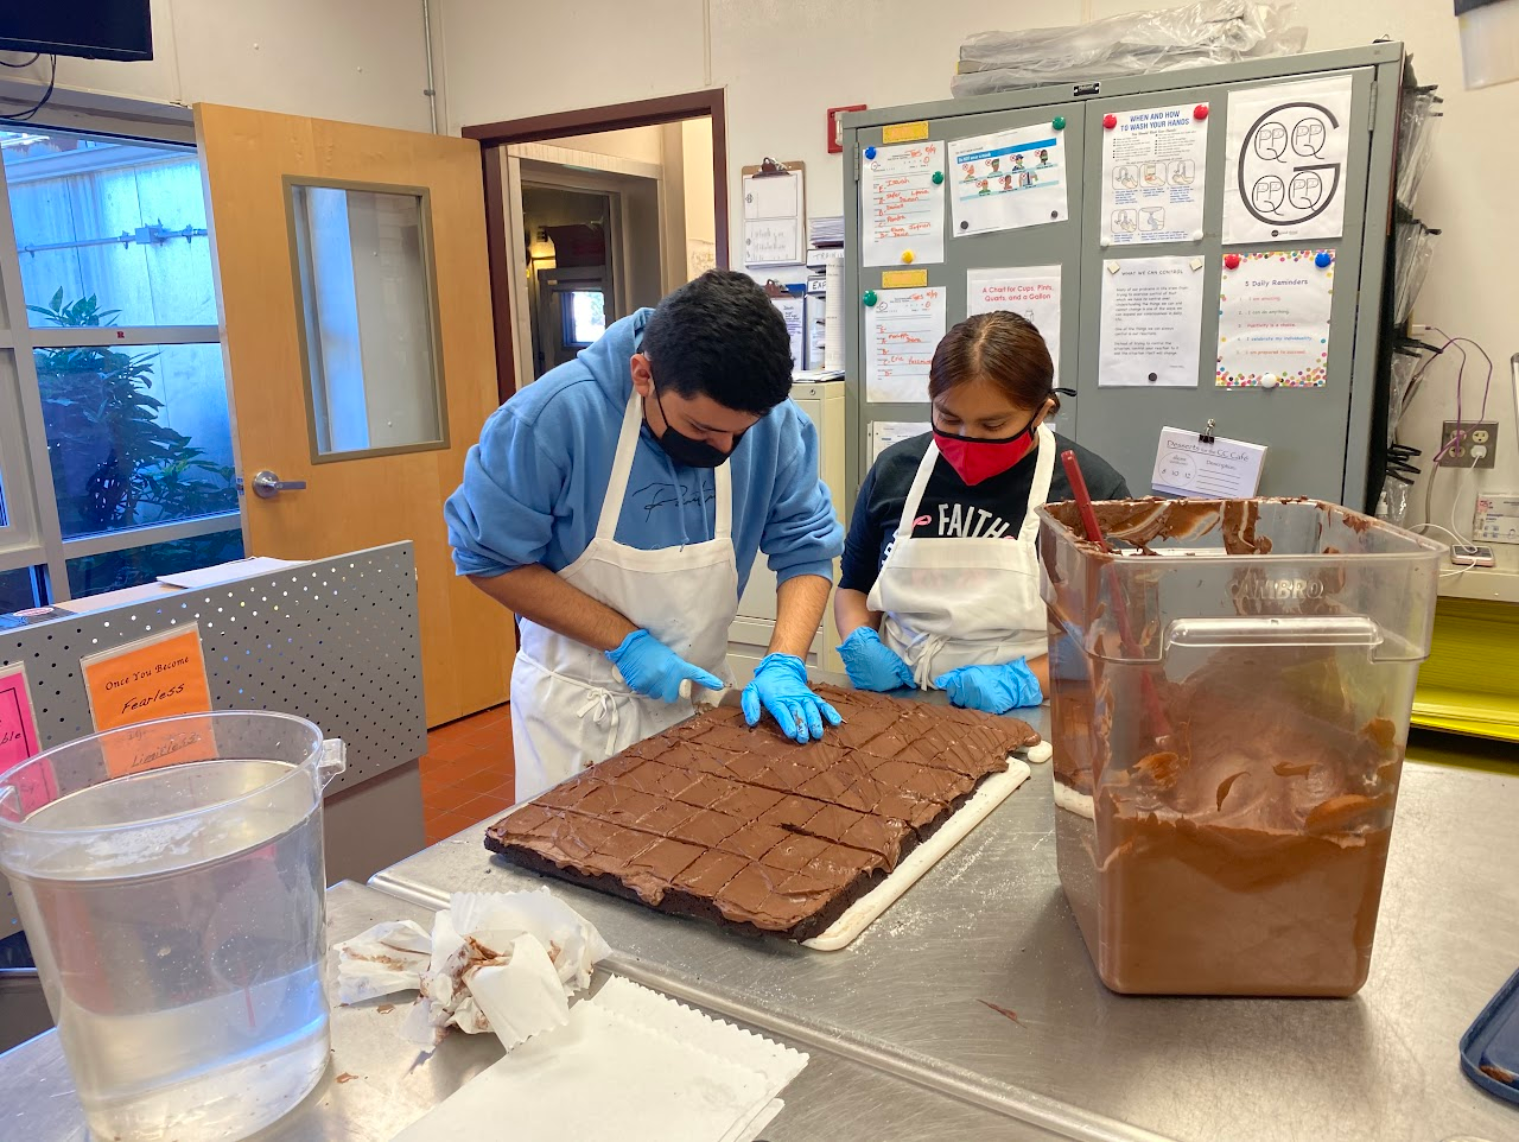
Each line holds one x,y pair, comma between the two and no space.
905,132
1468,685
904,279
366,500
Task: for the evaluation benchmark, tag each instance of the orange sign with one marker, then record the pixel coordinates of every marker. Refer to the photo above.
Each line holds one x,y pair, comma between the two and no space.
157,677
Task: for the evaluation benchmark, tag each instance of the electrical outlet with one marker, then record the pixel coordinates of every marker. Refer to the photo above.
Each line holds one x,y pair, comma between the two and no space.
1475,449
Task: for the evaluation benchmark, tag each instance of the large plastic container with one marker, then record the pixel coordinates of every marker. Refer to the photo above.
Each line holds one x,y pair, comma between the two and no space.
170,879
1230,699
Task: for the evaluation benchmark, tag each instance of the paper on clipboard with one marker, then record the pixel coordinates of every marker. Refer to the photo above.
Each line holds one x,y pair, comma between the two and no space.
1217,469
774,214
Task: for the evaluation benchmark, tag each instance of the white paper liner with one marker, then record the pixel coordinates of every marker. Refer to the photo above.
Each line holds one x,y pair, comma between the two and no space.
495,961
609,1075
779,1064
387,958
521,997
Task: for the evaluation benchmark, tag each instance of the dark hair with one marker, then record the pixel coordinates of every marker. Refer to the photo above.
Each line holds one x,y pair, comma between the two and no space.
1002,347
720,336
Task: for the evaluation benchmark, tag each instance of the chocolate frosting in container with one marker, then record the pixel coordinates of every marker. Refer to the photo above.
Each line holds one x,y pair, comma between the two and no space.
1235,845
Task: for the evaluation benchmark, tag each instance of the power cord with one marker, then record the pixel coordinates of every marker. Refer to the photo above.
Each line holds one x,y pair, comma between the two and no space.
31,112
1458,438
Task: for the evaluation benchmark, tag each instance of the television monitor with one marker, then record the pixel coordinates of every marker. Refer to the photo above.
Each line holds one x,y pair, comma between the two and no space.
96,29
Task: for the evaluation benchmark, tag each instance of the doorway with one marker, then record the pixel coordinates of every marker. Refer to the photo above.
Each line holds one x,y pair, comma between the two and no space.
594,214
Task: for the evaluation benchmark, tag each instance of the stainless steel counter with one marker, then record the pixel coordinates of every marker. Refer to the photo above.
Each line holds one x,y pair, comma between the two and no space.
378,1084
990,925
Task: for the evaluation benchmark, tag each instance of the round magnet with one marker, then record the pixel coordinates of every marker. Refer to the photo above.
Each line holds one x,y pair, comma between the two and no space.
1059,122
1110,121
1201,112
1268,381
1323,259
868,298
870,152
907,256
1232,261
937,177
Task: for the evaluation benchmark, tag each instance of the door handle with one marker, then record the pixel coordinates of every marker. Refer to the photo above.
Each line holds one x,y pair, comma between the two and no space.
266,484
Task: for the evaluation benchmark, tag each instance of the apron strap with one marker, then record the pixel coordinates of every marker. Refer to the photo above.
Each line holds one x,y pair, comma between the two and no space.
622,465
600,706
723,499
916,492
1044,466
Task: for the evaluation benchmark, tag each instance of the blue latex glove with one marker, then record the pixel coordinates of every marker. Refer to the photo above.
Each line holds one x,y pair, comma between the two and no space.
871,664
993,689
780,685
652,668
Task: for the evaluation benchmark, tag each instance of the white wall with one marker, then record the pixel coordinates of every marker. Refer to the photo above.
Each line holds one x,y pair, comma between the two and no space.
783,62
361,61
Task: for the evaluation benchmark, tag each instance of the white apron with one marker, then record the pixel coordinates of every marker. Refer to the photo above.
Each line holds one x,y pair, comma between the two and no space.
570,709
949,602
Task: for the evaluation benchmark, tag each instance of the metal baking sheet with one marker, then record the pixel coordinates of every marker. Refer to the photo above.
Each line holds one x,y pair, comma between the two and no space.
989,927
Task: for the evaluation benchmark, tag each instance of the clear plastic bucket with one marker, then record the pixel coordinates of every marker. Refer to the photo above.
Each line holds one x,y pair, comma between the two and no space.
170,879
1230,700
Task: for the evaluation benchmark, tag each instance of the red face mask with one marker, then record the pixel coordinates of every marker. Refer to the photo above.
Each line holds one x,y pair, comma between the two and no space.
977,460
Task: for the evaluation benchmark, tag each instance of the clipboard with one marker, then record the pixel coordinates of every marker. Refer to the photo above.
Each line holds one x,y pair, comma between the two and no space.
775,214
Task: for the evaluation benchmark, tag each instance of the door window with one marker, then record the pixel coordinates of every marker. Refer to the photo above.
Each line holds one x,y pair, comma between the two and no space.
364,276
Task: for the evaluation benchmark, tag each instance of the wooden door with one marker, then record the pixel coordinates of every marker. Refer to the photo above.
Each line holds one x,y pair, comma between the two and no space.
358,497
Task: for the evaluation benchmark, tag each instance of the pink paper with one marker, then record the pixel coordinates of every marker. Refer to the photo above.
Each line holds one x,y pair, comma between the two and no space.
18,741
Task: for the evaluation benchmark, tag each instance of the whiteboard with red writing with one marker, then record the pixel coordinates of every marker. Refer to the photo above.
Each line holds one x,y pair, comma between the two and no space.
902,204
902,330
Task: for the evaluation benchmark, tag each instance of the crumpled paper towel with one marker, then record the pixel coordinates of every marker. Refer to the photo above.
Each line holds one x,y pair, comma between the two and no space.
505,962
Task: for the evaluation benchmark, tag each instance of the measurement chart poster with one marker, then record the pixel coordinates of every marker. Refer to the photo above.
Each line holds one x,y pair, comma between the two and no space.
1153,168
902,330
1151,324
1007,180
902,207
1285,162
1033,292
161,676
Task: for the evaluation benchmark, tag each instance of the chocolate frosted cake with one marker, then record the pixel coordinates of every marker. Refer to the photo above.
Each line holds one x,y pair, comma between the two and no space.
739,825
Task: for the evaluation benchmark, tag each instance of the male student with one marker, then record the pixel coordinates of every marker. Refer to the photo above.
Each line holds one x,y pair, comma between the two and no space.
616,505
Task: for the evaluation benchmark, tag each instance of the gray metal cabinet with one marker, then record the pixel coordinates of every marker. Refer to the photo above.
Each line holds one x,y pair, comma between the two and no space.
1319,439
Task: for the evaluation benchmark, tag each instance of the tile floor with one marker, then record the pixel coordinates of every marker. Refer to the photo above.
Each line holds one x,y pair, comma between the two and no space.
467,772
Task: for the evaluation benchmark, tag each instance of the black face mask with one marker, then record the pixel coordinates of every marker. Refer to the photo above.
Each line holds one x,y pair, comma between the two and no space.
685,450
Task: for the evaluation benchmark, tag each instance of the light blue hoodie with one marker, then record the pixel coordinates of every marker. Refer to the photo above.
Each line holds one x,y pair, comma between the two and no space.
533,486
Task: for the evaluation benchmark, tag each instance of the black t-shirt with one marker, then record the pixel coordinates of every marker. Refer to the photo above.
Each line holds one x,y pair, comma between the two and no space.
950,508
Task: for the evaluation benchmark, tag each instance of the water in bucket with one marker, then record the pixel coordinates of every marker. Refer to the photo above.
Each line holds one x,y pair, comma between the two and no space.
170,880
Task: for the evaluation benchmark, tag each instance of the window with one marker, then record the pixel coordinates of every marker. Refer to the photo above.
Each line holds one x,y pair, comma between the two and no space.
585,316
115,440
365,279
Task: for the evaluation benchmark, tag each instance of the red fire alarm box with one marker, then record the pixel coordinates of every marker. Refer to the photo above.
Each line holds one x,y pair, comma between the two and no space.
836,132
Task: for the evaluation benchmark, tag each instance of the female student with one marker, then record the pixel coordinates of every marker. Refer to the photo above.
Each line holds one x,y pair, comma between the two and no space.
940,584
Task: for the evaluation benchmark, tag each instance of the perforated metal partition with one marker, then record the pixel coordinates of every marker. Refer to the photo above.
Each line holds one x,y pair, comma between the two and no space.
335,641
